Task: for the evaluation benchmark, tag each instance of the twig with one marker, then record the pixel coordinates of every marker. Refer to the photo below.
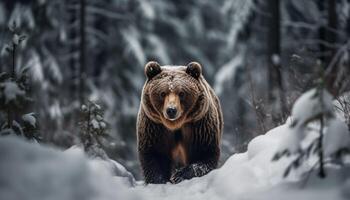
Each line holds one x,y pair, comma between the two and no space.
254,101
336,57
308,174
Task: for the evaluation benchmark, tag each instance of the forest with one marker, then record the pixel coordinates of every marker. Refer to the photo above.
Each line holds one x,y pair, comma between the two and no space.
72,73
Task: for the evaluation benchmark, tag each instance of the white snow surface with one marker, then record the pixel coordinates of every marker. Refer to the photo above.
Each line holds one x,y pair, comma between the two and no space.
337,137
29,118
11,91
308,105
31,171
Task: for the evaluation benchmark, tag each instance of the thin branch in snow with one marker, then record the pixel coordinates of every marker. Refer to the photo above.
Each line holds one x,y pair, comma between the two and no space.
299,25
325,43
256,105
310,26
336,57
105,13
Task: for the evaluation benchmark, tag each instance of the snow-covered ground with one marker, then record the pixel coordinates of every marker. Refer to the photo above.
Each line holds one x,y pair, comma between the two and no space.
32,171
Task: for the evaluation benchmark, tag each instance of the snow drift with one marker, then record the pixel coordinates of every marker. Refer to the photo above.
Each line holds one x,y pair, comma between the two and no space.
30,171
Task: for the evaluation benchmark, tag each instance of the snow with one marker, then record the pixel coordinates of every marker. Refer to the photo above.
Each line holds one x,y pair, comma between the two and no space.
29,118
55,110
342,106
159,48
276,60
226,73
337,137
29,17
17,127
36,68
15,16
99,117
241,11
134,46
113,167
22,15
55,69
95,124
308,105
5,50
15,39
103,125
31,171
147,10
84,108
36,172
11,91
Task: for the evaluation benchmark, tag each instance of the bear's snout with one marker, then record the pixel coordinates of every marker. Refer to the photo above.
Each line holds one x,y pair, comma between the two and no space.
171,112
172,108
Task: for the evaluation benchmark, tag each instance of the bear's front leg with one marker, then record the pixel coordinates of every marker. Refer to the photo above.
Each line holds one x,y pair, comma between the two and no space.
205,157
205,161
156,168
191,171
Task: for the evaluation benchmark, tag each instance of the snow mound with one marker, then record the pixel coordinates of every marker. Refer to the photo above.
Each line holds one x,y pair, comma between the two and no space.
35,172
337,137
308,105
32,172
115,168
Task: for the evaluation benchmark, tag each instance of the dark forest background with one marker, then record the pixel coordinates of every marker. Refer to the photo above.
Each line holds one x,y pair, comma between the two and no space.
258,55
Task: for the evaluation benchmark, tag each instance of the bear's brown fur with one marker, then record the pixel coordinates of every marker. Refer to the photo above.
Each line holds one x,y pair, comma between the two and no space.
179,124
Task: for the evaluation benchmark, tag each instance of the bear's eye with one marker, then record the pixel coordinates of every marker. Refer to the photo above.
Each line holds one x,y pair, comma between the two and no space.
181,95
162,95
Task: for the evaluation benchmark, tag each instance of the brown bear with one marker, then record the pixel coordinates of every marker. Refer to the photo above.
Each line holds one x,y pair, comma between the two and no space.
179,124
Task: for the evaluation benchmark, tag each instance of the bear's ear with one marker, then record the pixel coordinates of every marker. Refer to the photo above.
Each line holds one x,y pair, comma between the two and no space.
152,68
194,69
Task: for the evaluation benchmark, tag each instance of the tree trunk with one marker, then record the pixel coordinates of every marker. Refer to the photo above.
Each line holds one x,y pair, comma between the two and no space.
276,95
100,57
322,33
328,35
331,37
72,35
82,69
13,78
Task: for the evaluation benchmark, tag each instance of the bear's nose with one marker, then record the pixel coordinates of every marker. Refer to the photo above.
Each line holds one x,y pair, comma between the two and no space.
171,112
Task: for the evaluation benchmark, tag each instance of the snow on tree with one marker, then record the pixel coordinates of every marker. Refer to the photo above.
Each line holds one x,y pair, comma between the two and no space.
315,136
14,97
93,128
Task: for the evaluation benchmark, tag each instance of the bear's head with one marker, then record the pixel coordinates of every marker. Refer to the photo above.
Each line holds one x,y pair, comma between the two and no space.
174,95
